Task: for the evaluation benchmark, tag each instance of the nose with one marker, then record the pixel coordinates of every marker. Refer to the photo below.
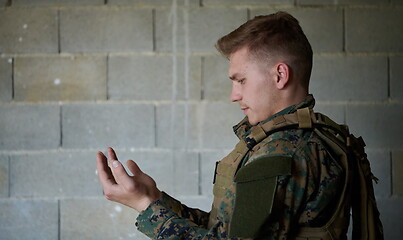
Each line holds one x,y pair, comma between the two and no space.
235,93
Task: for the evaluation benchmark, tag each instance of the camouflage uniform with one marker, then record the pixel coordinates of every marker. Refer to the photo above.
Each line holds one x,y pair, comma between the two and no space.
305,197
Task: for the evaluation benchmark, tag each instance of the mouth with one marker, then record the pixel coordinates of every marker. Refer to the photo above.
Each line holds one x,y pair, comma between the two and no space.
244,109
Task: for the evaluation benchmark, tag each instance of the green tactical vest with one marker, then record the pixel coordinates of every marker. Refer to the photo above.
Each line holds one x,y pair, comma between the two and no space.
245,221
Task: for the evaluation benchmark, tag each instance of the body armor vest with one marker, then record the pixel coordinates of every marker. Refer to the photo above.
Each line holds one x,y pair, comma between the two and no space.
339,140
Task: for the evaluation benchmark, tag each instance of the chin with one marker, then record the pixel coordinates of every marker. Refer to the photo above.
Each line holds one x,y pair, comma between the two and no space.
252,122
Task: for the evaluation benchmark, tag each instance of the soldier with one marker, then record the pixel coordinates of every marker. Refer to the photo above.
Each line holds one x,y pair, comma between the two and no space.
282,179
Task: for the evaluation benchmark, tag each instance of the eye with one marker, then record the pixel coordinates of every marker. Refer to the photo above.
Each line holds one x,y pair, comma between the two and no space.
241,81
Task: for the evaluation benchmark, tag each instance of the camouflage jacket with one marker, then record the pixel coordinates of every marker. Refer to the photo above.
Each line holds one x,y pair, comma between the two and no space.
305,197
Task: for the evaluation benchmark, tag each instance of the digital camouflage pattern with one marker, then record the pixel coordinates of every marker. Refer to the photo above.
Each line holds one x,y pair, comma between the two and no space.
305,198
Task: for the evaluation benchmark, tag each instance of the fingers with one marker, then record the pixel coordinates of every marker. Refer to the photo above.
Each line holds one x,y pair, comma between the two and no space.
102,163
120,174
133,167
115,173
112,154
104,172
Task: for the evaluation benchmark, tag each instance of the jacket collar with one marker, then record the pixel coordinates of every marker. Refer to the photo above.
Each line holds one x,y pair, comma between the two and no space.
243,129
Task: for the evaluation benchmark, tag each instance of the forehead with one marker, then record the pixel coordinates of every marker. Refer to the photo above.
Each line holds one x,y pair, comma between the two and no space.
239,62
242,62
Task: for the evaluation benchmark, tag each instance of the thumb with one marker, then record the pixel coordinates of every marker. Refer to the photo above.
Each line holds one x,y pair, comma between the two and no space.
133,167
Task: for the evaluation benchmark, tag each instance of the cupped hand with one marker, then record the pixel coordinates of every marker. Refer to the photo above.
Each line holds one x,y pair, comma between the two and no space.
137,191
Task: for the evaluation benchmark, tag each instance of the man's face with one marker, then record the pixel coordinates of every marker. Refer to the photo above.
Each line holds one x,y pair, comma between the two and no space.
253,86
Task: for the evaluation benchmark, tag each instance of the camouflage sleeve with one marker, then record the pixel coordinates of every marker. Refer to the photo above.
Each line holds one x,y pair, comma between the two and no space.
196,216
167,219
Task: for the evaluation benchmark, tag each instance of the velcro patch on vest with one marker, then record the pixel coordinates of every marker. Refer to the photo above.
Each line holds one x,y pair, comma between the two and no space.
255,189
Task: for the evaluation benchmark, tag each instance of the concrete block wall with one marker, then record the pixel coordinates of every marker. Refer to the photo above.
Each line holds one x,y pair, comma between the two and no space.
144,77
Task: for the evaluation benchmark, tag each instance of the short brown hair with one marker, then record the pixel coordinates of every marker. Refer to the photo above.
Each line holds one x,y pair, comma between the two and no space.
277,34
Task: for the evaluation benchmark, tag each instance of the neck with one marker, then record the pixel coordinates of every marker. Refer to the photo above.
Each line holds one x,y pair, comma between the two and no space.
291,97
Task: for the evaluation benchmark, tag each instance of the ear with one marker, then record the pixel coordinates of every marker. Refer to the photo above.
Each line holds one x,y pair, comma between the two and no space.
282,75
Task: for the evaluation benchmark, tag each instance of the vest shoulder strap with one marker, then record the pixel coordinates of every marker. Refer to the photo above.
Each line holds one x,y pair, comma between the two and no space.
303,118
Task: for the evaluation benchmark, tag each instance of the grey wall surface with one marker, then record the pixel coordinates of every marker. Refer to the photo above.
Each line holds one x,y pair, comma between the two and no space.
144,77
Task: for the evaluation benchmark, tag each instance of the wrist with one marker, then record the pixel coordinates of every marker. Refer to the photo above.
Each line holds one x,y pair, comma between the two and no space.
156,195
147,201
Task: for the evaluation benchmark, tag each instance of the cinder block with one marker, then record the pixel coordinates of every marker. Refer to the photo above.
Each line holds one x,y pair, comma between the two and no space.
4,176
29,127
343,78
58,78
57,2
157,3
152,78
216,84
24,30
340,2
186,173
322,39
159,164
397,173
218,120
102,125
208,164
245,2
106,30
184,132
396,78
57,168
374,30
381,125
391,215
335,112
381,168
29,219
6,81
206,25
97,218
